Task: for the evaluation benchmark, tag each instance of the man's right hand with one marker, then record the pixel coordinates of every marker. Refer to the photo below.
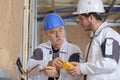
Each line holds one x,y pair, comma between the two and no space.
51,71
75,70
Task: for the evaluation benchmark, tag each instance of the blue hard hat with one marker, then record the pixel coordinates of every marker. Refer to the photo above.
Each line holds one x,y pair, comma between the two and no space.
51,21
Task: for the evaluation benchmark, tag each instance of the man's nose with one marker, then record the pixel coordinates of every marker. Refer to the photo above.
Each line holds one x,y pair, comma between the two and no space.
58,34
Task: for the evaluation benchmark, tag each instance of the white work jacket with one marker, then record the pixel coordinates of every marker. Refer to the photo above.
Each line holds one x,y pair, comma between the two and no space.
99,67
66,50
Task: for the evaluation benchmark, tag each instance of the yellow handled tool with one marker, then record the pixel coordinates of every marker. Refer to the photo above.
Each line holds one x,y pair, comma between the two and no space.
67,65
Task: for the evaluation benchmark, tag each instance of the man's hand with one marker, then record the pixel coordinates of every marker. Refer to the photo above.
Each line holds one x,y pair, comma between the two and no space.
75,70
51,71
58,63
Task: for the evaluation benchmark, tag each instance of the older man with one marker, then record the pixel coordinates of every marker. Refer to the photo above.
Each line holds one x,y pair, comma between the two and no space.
49,56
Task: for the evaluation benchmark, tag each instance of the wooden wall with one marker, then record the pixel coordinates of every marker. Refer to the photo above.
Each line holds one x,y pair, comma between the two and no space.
76,35
10,32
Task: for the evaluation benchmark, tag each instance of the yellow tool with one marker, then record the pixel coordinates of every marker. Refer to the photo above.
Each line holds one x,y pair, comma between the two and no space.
67,65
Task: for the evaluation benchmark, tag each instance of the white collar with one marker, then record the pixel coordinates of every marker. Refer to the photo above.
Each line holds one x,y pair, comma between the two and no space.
63,49
101,27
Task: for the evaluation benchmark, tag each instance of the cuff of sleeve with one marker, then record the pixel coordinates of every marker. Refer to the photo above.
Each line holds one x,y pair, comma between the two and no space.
83,68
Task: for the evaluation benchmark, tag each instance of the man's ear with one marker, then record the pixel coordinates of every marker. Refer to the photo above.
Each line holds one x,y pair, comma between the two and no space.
91,18
47,33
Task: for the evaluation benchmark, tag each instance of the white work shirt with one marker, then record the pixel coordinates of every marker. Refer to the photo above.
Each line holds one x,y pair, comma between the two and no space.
66,51
98,67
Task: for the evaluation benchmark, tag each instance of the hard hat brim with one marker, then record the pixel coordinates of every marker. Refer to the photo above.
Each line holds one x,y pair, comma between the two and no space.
76,12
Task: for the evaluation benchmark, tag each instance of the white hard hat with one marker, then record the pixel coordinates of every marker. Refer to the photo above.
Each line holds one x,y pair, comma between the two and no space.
88,6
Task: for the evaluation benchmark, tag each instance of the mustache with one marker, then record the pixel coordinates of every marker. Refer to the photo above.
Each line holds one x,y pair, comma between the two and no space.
59,38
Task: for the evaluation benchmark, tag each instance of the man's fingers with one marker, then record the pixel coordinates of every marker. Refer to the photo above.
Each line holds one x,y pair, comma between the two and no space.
51,71
58,62
48,67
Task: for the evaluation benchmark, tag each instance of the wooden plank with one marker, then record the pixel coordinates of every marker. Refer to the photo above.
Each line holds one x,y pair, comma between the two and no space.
25,33
10,30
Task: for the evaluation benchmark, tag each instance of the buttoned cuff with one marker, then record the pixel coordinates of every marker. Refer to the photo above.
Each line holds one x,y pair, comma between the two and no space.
83,68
